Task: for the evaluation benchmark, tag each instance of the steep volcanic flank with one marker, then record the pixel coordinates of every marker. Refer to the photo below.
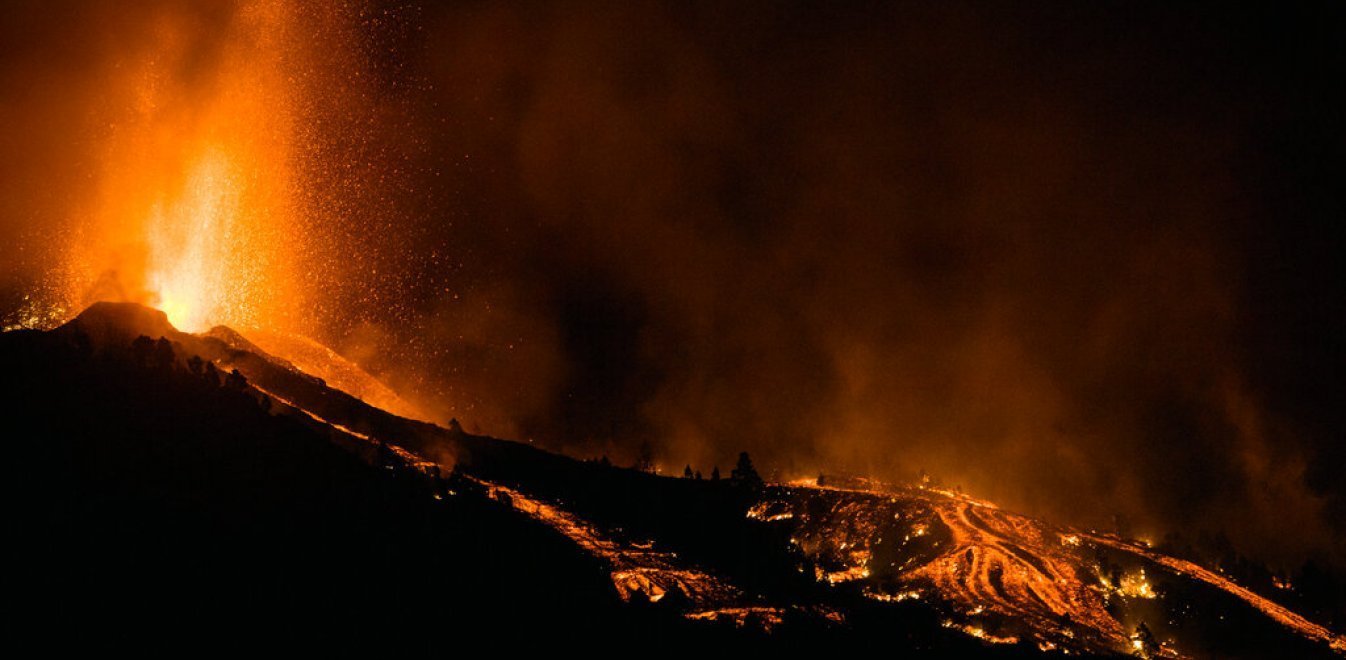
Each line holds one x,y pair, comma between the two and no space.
859,561
339,373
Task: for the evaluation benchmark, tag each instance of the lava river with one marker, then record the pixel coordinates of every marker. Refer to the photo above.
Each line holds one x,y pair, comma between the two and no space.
998,575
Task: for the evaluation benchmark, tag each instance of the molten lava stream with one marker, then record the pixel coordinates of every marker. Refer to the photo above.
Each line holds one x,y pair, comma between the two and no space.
1004,563
1277,612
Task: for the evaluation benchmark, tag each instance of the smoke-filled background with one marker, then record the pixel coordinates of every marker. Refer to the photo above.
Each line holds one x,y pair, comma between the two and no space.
1078,258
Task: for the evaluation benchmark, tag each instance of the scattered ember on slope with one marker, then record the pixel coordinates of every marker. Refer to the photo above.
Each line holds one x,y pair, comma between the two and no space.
1278,612
990,566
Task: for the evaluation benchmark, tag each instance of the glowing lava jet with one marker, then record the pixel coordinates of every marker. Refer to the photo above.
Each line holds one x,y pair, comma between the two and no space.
191,269
193,210
203,202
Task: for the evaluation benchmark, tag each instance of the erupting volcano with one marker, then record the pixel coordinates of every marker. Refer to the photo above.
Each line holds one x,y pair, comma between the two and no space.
194,209
382,326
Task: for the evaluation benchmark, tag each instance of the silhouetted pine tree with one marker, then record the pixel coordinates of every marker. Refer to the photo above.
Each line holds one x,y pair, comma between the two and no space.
744,472
645,458
163,354
235,381
142,350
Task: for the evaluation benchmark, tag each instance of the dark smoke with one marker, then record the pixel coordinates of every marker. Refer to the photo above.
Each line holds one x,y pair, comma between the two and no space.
1075,258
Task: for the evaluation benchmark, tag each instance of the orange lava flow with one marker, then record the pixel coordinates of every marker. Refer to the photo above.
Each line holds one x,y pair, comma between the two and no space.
985,561
982,560
1281,614
406,457
1008,564
636,570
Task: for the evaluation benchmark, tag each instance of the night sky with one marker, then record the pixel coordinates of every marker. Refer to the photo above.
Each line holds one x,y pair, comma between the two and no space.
1078,258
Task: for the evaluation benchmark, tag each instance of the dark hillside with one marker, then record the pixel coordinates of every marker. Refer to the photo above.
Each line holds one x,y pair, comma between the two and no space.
150,507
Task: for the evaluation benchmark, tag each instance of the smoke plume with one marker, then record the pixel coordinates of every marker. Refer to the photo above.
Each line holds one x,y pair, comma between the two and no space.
1075,259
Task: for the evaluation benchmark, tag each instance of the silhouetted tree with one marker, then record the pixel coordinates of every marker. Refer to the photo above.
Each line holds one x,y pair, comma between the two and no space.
674,599
715,473
645,458
195,364
163,354
454,426
235,381
1144,641
698,475
211,374
822,479
605,461
744,472
687,472
142,350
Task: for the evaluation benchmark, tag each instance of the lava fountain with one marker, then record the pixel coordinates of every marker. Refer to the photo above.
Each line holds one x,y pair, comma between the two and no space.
189,266
214,190
194,210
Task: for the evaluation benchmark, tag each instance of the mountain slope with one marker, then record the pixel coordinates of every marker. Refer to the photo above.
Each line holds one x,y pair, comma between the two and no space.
152,509
274,496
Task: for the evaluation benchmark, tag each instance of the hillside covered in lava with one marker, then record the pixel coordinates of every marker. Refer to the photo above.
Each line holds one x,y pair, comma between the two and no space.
172,487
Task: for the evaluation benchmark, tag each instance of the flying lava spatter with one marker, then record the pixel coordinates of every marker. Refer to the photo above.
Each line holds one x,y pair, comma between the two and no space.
240,175
193,209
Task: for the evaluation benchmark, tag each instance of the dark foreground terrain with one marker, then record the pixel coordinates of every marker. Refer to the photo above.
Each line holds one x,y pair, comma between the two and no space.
153,508
158,501
149,508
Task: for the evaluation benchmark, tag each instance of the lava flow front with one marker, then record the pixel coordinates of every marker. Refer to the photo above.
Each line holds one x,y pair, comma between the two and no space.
1001,575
